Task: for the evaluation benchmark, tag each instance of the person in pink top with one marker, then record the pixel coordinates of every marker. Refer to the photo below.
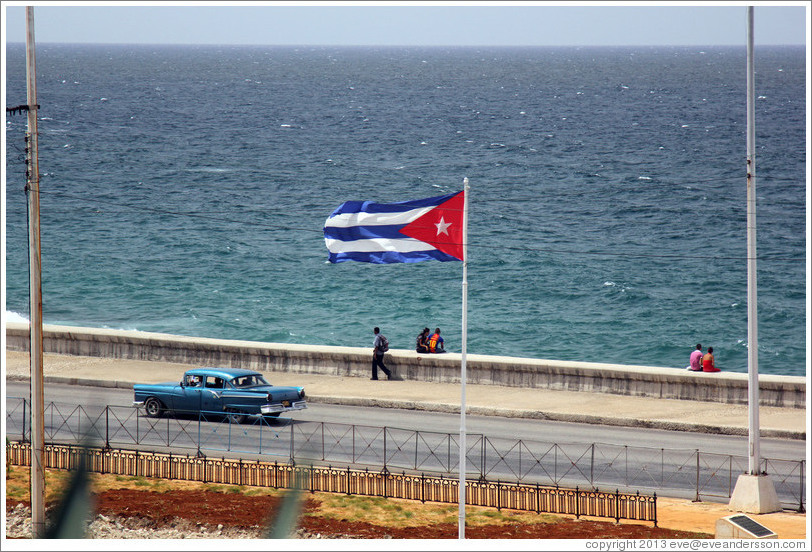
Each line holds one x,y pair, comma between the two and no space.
708,365
696,359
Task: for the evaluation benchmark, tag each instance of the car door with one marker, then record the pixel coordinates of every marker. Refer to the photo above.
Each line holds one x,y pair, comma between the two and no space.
186,398
211,399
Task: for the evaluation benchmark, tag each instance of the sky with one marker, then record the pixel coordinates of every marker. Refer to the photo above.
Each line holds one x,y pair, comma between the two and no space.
521,23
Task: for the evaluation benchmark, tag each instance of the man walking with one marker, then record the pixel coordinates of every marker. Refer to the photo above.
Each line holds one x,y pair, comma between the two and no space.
380,346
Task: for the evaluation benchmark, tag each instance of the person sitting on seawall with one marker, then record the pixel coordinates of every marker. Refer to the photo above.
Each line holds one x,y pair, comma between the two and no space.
708,364
695,364
421,346
435,342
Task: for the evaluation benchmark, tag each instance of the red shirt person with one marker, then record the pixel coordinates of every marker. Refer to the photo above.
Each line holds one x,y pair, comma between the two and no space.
708,364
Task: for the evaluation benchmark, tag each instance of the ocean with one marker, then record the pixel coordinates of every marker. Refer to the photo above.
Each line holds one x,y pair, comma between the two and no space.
184,190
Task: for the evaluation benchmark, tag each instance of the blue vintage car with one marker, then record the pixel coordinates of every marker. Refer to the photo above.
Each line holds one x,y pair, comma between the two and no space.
234,392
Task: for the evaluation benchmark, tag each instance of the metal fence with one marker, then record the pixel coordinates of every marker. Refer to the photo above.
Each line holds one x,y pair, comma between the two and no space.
688,473
425,488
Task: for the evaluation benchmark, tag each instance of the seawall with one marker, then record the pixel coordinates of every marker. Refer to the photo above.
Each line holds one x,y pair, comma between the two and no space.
642,381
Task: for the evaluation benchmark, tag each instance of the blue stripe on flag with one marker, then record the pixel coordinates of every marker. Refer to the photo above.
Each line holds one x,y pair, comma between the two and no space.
364,232
388,257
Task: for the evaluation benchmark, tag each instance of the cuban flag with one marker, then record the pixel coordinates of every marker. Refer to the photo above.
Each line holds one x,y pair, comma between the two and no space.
405,232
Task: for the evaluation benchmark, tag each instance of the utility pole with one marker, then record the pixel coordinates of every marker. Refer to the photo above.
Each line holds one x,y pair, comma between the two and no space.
35,293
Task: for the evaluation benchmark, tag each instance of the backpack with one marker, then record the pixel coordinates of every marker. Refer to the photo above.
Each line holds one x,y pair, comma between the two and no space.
384,344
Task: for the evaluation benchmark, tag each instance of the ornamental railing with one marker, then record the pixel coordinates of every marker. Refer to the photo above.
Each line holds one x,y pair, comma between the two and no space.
422,487
686,473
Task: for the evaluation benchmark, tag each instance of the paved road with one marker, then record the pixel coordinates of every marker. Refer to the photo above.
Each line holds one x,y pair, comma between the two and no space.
501,448
514,428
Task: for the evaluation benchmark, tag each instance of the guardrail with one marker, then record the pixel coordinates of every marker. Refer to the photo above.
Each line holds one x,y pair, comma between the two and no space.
513,496
680,472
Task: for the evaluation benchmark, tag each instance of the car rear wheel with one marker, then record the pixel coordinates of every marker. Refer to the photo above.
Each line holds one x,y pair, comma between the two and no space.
235,417
153,407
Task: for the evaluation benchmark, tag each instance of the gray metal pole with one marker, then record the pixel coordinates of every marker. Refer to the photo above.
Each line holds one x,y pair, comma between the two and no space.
752,310
35,294
463,370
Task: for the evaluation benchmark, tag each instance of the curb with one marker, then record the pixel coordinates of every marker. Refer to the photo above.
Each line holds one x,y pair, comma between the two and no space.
484,411
558,417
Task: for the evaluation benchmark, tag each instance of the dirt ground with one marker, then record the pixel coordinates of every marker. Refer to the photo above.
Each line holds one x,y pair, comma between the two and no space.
244,512
241,511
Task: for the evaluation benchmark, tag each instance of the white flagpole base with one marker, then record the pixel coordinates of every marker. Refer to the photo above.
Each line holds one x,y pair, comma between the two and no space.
754,494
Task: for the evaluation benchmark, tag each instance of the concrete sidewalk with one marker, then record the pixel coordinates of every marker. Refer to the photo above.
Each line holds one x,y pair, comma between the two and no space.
544,404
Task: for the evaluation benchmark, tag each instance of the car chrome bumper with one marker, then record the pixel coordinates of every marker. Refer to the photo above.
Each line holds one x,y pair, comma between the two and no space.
283,407
138,404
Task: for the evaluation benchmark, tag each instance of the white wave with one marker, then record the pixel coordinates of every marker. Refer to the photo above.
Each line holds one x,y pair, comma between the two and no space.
643,178
12,316
208,170
121,329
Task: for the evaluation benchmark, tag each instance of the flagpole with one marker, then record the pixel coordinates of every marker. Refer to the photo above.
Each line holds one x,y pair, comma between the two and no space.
754,492
752,317
463,372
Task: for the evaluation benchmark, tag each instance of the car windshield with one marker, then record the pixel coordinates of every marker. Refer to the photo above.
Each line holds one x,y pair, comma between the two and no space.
248,381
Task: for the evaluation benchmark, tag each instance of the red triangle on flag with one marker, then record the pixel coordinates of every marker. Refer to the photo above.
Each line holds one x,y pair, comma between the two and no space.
441,227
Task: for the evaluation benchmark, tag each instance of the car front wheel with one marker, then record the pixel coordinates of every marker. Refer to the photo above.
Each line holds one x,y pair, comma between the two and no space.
153,407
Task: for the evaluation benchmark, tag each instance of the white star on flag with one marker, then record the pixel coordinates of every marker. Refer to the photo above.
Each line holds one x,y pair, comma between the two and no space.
442,226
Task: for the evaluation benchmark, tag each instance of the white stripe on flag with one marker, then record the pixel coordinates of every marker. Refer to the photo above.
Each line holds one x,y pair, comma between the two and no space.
406,245
345,220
